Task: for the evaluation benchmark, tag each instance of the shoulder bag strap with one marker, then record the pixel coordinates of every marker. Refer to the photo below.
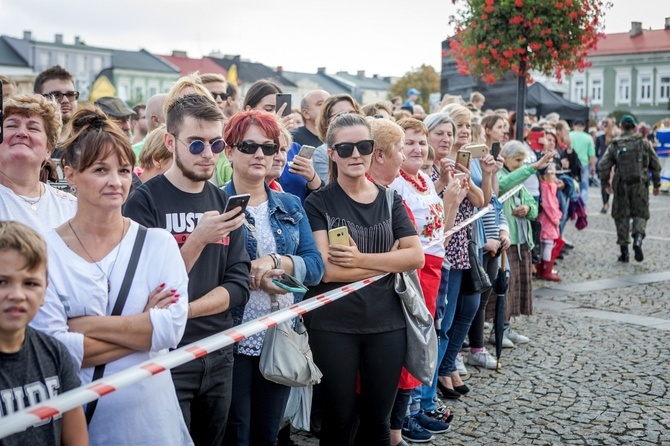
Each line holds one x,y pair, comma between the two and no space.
118,306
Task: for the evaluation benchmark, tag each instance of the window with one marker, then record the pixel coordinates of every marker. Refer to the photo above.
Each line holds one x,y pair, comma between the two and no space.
596,90
578,89
622,94
44,61
97,64
644,87
664,87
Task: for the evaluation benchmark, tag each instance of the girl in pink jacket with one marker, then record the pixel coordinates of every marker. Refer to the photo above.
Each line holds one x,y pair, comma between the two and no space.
550,216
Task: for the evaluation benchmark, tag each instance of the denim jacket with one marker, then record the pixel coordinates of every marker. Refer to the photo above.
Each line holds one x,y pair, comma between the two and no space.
293,236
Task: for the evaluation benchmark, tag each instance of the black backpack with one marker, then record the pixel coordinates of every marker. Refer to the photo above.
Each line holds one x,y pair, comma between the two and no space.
629,159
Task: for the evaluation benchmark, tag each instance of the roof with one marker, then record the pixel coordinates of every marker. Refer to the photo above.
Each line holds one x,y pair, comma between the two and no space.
9,57
365,83
252,71
323,81
141,60
188,65
650,41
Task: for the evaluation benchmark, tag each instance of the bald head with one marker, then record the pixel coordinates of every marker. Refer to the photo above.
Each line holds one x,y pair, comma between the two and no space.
310,107
154,112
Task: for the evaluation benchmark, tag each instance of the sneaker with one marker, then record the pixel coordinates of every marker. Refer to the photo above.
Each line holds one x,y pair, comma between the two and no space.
515,337
411,431
482,359
460,366
432,425
488,326
507,343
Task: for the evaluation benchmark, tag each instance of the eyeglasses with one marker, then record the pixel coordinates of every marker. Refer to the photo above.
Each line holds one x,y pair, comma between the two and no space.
58,96
251,148
528,125
223,96
346,149
196,147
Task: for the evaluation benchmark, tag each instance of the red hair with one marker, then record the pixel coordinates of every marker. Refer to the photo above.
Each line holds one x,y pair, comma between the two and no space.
238,125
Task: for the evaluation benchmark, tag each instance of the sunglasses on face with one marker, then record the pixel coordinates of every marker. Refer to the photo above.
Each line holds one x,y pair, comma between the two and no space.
58,96
196,147
250,148
346,149
223,96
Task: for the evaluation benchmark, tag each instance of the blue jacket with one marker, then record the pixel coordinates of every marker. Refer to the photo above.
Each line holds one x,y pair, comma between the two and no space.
293,236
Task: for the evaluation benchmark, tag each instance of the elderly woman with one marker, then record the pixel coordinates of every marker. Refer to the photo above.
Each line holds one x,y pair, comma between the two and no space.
31,126
359,341
155,158
279,240
88,258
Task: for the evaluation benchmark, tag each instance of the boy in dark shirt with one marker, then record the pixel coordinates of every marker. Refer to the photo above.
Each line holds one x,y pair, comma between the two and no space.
33,366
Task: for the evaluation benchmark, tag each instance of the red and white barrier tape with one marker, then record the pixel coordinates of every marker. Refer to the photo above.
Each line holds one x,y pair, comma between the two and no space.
23,419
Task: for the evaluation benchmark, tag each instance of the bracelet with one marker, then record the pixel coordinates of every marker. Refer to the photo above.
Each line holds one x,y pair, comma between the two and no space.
313,176
277,260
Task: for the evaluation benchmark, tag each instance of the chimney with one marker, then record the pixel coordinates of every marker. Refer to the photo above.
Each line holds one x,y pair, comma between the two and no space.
635,28
77,40
360,74
667,23
321,70
375,76
27,35
280,69
59,39
178,53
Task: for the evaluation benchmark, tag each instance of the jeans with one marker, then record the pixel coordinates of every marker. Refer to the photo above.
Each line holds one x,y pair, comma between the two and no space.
450,285
204,390
584,182
466,308
258,405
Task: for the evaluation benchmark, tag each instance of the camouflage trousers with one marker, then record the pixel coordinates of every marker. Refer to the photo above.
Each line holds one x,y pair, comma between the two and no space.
623,228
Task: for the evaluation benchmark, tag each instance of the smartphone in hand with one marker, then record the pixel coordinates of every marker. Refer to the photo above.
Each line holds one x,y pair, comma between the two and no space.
476,150
284,98
235,201
463,158
495,150
339,236
307,151
290,284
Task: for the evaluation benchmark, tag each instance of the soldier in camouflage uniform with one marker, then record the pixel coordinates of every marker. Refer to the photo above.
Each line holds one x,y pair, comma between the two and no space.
633,158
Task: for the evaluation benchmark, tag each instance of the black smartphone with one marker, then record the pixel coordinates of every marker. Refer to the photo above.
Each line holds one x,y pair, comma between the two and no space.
284,98
235,201
495,150
1,105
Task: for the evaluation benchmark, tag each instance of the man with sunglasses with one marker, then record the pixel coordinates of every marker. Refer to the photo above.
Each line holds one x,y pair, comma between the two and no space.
57,83
212,244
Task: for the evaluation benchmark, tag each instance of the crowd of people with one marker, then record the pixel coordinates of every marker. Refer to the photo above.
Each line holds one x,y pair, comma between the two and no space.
81,299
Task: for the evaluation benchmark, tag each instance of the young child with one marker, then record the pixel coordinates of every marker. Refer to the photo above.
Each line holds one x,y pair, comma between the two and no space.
550,217
427,168
33,366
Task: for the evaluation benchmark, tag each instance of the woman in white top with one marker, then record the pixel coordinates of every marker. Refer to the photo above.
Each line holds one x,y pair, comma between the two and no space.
88,257
31,127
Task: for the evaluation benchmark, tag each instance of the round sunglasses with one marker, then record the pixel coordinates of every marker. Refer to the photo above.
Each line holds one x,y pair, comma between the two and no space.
250,148
345,149
196,147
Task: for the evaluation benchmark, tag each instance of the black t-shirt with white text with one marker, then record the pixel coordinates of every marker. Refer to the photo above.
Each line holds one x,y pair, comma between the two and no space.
375,308
40,370
159,204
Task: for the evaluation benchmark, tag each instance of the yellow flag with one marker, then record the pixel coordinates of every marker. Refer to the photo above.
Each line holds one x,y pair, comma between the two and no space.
101,87
232,74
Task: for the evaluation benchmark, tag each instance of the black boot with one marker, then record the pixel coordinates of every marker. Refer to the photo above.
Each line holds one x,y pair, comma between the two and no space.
624,254
637,246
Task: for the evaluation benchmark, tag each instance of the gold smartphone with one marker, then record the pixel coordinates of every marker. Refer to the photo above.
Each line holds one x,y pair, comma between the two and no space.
339,236
463,158
477,150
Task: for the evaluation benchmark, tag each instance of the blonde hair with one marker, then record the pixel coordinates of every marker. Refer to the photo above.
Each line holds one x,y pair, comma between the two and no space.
15,236
28,105
386,134
193,81
208,78
154,148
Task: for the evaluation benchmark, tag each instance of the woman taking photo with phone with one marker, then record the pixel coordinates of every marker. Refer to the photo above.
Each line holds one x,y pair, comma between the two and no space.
279,240
359,341
89,257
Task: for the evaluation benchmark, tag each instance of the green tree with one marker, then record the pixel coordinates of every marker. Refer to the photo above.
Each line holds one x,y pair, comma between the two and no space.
425,79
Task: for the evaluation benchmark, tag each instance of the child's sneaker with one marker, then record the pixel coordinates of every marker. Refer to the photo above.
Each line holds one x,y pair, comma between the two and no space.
411,431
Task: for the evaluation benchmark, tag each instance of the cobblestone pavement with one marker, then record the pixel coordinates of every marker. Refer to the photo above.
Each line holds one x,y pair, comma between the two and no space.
596,371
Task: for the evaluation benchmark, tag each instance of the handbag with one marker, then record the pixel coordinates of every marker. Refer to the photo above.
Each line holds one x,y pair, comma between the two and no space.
421,352
475,279
286,357
99,370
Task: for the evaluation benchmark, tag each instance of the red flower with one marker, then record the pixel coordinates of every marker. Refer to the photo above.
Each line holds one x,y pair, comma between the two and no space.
486,61
496,42
485,17
549,43
535,46
488,8
508,54
559,5
489,2
573,15
518,3
516,20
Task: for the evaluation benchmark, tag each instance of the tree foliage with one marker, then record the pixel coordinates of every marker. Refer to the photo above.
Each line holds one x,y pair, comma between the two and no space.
552,37
425,79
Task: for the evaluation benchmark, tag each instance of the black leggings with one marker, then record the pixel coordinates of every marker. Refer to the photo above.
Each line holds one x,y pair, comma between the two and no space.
377,359
400,408
476,333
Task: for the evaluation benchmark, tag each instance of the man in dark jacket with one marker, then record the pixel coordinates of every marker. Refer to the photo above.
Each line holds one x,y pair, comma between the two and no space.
634,159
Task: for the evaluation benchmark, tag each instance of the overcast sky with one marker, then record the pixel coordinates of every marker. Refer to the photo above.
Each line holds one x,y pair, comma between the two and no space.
386,37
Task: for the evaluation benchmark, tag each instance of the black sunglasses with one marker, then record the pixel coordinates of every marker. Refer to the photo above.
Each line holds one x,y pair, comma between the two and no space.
196,147
58,96
223,96
251,148
345,149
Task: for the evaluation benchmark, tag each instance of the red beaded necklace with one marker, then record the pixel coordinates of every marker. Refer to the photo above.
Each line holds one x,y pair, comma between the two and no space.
421,186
